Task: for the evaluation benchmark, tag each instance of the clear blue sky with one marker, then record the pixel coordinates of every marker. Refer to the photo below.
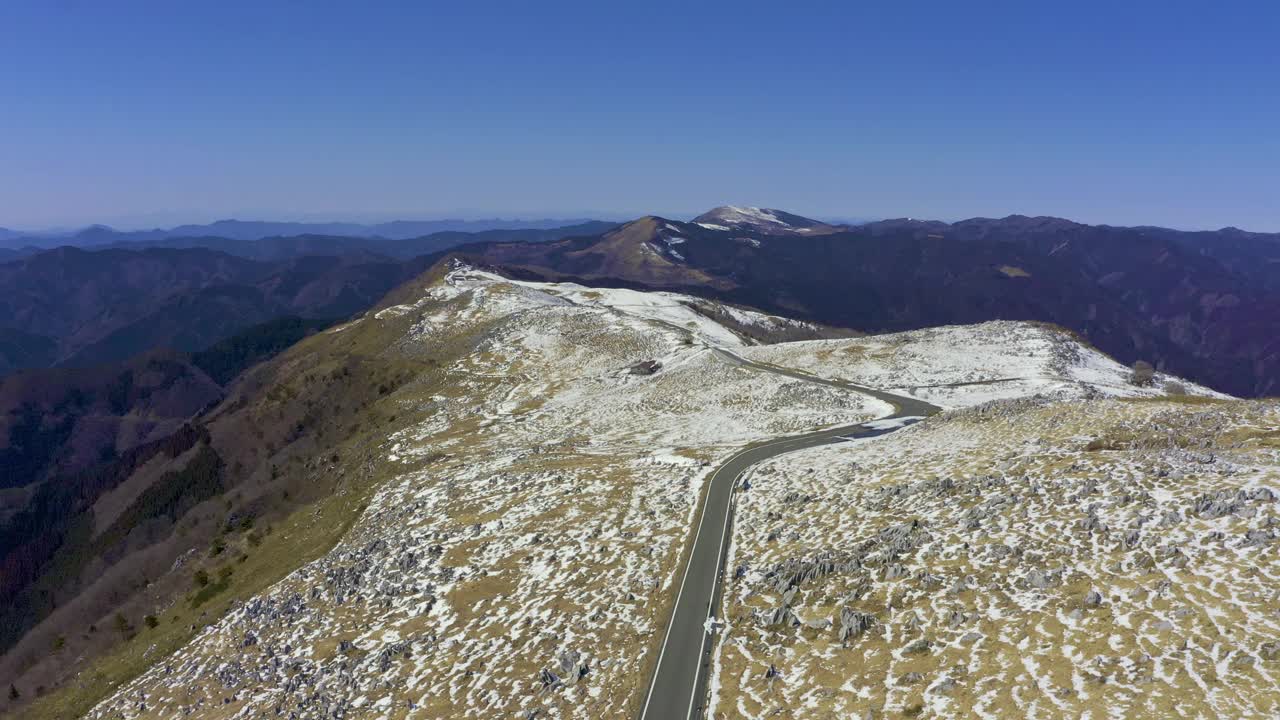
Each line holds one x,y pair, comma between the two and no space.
1123,112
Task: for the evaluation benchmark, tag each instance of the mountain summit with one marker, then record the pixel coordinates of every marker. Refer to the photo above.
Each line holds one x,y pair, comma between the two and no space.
762,220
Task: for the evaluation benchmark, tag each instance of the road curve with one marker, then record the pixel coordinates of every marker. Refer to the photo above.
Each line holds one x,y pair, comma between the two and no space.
678,687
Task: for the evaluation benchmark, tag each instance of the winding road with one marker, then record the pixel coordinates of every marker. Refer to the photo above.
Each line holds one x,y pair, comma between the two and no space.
678,688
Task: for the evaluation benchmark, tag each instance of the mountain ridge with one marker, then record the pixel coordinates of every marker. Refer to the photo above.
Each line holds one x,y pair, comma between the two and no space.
1207,311
84,306
1201,304
249,230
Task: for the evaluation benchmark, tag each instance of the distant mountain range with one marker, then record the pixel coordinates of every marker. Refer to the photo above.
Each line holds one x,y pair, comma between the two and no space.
245,230
78,307
1204,305
281,247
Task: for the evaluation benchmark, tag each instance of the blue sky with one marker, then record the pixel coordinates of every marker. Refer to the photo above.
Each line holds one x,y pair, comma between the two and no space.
1129,112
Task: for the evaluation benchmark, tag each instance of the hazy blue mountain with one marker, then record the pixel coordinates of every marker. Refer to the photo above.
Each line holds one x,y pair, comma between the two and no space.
77,306
291,246
256,230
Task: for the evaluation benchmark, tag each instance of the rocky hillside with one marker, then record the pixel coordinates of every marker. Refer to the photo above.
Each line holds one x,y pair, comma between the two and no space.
1023,557
963,365
472,502
506,455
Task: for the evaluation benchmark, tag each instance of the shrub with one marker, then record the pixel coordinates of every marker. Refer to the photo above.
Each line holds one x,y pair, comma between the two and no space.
209,591
1143,374
122,625
1174,387
202,578
150,621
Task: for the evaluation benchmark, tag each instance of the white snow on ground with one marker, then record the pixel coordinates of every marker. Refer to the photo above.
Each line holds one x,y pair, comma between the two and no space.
669,308
753,216
761,220
761,321
1023,558
889,423
963,365
663,307
520,556
532,522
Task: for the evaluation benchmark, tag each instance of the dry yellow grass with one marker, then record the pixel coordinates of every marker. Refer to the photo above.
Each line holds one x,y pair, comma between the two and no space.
1187,618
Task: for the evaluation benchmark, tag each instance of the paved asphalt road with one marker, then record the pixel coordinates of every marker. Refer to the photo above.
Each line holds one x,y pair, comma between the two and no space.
678,688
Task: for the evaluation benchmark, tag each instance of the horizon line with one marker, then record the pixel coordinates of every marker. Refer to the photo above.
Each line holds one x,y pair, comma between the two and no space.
471,216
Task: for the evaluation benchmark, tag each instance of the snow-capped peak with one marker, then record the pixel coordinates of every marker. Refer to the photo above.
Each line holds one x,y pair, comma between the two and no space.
761,220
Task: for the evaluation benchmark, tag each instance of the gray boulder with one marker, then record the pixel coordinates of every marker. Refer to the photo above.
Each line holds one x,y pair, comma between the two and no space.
645,367
854,623
917,647
1040,580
